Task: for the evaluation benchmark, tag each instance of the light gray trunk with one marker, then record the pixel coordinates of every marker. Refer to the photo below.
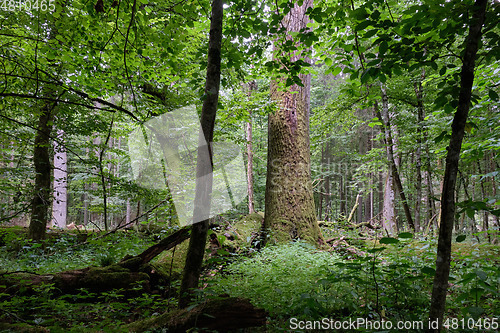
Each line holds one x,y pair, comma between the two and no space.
60,202
389,210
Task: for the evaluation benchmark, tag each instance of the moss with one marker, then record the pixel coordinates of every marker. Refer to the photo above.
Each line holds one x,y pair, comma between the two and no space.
23,328
109,277
164,261
245,230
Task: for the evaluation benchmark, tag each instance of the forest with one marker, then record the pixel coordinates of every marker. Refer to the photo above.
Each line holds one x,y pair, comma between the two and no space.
249,166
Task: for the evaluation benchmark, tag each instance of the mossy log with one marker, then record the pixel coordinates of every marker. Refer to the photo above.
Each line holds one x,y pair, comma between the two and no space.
94,279
221,314
131,271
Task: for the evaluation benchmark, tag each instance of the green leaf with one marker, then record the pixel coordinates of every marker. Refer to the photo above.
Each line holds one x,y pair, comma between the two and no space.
370,33
462,297
460,238
377,249
493,95
375,123
467,278
475,311
363,25
481,274
440,137
388,240
405,235
336,71
428,270
383,47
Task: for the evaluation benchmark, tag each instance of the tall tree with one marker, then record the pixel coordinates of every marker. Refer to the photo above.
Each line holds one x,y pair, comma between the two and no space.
289,201
60,201
41,199
197,242
248,132
393,165
440,285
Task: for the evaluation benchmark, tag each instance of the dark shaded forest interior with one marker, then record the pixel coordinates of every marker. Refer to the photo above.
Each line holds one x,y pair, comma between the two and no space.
249,166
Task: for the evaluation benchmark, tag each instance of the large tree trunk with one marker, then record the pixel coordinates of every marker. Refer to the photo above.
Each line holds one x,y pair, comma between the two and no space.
196,249
440,286
290,212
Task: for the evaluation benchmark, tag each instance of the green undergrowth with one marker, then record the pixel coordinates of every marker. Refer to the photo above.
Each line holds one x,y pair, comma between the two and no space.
46,309
67,251
389,280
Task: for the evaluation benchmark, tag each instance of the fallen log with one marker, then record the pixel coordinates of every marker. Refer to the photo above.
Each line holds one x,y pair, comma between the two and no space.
223,314
135,262
94,279
129,272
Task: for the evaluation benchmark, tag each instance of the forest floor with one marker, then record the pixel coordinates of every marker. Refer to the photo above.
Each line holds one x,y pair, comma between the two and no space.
357,276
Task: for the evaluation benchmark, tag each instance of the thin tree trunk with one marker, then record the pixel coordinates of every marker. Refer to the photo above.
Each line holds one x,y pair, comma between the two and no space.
418,153
197,242
326,184
128,211
41,200
60,200
431,205
494,193
322,188
483,197
386,128
343,195
389,210
251,208
440,286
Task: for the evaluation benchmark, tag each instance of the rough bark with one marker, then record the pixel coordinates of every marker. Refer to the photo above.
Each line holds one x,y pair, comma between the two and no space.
221,315
196,249
440,285
41,200
290,212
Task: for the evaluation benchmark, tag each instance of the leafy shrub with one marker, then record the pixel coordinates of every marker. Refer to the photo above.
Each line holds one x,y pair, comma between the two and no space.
284,280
